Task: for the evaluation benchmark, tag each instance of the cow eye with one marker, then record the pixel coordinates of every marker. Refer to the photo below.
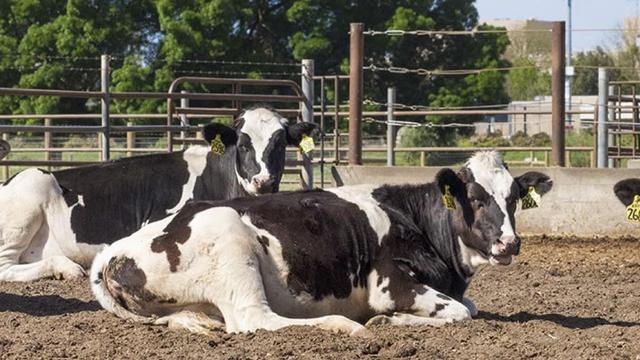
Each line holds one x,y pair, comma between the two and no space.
477,203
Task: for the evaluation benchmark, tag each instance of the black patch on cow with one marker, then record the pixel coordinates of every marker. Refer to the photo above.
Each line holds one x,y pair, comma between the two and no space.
264,241
177,232
246,164
443,297
121,195
439,307
218,181
129,288
46,172
70,198
324,239
168,301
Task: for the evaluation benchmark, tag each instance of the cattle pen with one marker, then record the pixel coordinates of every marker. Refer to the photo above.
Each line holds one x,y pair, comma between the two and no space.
571,293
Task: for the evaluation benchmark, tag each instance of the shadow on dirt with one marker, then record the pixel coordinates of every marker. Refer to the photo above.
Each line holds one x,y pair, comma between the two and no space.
571,322
44,305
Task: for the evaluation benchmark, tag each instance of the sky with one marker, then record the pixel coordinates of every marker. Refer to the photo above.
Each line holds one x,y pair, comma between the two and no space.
587,14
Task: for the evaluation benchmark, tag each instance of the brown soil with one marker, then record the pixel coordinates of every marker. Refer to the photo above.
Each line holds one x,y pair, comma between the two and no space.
564,298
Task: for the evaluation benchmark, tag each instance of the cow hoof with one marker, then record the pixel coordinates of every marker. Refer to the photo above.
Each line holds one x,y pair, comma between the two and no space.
473,310
66,269
378,320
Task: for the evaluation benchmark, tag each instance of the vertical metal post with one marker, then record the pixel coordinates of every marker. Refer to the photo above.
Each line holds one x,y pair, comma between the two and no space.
5,169
131,140
47,142
524,122
322,111
105,102
603,83
307,116
611,139
569,78
356,60
391,133
557,95
336,118
184,121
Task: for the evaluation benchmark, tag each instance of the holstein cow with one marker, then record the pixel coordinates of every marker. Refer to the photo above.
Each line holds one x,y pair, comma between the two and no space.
53,224
333,258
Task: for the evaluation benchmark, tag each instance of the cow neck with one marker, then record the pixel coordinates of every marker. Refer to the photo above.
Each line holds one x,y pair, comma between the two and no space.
219,180
421,206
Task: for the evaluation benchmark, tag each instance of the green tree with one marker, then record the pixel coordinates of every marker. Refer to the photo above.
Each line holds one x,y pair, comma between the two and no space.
585,81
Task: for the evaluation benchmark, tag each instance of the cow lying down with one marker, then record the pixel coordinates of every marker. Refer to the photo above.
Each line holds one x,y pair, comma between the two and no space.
335,259
54,223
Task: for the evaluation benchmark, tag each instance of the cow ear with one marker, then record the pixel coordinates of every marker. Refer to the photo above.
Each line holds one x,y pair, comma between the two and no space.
228,136
539,181
448,178
626,190
297,131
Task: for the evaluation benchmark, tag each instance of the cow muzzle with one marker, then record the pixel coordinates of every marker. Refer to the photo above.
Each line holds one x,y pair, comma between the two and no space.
504,249
264,184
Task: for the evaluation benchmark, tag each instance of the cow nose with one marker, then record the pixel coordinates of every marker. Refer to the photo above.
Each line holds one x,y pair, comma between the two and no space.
510,244
263,183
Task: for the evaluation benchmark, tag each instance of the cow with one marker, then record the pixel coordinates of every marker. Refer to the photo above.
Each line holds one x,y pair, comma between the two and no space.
335,258
626,190
5,149
52,224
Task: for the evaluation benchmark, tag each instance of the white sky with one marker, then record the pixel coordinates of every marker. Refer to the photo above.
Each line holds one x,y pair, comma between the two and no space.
587,14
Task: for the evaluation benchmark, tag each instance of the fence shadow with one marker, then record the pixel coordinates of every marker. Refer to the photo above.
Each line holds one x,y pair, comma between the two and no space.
44,305
567,321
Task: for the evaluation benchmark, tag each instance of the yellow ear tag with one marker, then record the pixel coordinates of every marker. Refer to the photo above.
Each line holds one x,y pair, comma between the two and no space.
447,198
633,210
306,144
531,200
217,147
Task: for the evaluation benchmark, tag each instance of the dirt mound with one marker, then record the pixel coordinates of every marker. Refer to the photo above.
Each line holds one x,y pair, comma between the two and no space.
564,298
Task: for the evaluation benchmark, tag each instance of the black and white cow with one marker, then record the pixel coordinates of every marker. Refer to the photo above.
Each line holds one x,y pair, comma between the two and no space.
53,224
626,190
335,259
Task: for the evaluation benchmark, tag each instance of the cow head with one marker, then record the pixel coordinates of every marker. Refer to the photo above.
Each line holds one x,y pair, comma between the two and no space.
485,197
626,190
260,137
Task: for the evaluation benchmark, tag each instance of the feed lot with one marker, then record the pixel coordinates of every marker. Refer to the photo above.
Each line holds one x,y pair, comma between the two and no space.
563,298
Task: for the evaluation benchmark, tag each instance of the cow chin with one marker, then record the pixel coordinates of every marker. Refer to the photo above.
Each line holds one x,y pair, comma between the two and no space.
500,259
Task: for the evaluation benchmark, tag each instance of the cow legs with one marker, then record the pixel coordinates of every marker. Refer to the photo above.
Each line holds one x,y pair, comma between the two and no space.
196,322
238,292
406,319
17,236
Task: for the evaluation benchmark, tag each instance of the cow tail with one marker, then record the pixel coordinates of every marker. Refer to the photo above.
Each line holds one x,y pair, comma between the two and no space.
109,293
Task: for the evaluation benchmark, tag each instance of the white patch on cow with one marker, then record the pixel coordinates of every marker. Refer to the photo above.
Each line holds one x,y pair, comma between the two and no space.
196,158
361,196
379,297
260,124
488,170
471,258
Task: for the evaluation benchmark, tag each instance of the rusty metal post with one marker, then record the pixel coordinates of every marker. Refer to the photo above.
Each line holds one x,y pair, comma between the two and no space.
557,95
356,59
105,102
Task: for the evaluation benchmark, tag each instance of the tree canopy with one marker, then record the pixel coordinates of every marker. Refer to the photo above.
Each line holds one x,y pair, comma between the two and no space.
56,44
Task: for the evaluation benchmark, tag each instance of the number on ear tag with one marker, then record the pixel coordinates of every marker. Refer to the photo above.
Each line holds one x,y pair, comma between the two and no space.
217,147
447,198
306,144
633,210
531,200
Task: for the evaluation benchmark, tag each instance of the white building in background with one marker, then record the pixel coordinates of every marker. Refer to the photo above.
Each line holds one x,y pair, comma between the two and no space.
510,124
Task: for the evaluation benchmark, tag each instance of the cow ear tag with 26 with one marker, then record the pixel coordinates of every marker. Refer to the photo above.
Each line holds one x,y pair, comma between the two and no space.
306,144
633,210
531,200
447,198
217,147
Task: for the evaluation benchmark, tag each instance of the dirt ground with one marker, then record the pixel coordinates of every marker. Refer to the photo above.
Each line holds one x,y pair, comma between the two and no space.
563,298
